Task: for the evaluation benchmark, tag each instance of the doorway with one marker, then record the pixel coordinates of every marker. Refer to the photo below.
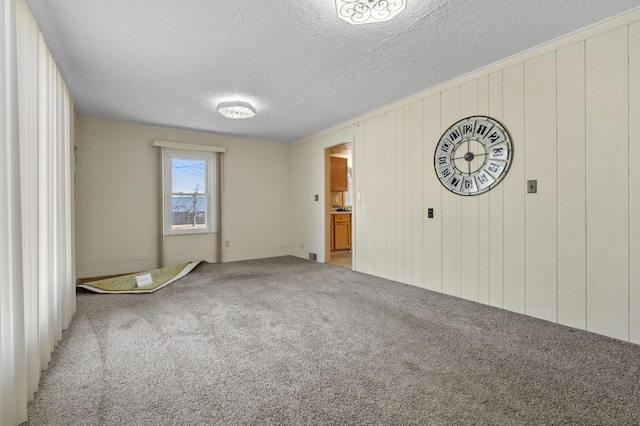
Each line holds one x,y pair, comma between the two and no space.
339,205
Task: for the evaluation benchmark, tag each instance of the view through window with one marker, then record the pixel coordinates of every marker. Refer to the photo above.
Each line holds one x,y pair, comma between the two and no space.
188,194
189,191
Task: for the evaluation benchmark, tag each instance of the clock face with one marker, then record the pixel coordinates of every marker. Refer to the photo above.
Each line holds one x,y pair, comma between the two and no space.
473,155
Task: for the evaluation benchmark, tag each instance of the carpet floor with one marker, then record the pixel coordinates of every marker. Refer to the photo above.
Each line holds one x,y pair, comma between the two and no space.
289,341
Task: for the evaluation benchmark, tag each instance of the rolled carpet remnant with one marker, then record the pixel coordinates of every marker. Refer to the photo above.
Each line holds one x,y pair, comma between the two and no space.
145,282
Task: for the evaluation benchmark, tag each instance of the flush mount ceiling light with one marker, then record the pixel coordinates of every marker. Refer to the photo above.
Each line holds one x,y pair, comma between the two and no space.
367,11
236,109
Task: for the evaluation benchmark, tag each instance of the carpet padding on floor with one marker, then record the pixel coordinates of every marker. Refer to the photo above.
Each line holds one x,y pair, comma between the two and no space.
128,284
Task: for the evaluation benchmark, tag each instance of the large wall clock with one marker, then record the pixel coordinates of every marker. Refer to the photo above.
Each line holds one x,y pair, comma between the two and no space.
473,155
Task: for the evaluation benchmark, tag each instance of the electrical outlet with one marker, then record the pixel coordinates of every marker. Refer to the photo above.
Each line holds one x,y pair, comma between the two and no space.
301,246
226,243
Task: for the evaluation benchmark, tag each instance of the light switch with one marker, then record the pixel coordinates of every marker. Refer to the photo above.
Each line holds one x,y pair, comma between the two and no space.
532,186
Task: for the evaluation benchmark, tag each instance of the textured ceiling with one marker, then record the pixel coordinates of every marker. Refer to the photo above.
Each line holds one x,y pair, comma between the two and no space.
169,63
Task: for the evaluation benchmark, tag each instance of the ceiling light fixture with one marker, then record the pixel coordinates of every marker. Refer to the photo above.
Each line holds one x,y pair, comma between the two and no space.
236,109
367,11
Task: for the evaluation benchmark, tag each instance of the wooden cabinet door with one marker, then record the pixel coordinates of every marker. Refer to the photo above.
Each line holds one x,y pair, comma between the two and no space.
341,232
342,238
332,232
339,174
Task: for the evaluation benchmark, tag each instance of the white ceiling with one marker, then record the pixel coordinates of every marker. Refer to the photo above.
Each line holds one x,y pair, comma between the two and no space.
168,63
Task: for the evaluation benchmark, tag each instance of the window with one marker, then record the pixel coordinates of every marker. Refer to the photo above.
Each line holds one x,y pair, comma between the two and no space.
189,192
348,196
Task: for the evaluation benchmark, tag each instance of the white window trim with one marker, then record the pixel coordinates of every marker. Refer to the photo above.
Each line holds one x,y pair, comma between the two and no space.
206,155
188,146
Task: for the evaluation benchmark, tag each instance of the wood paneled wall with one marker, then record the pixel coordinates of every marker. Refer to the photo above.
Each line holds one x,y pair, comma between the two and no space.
569,253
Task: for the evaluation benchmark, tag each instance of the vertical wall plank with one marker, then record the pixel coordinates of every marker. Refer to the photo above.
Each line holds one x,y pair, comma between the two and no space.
571,187
451,209
469,226
408,231
369,197
607,184
540,163
514,191
359,165
432,196
390,197
417,196
483,209
400,197
380,201
496,208
634,182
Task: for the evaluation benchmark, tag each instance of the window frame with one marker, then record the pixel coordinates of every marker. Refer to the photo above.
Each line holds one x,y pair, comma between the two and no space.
209,158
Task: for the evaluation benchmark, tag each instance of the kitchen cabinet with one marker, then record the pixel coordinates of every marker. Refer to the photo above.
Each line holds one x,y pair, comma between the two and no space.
338,174
340,231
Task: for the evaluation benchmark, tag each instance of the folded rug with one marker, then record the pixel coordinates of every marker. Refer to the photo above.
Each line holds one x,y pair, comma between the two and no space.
146,282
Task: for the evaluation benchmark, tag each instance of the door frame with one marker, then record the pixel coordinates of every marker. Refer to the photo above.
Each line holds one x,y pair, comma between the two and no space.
328,204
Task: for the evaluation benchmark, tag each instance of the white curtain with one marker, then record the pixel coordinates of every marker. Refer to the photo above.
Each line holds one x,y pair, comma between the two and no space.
37,295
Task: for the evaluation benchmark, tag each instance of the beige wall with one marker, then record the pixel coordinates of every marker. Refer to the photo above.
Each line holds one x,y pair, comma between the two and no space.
118,197
568,254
